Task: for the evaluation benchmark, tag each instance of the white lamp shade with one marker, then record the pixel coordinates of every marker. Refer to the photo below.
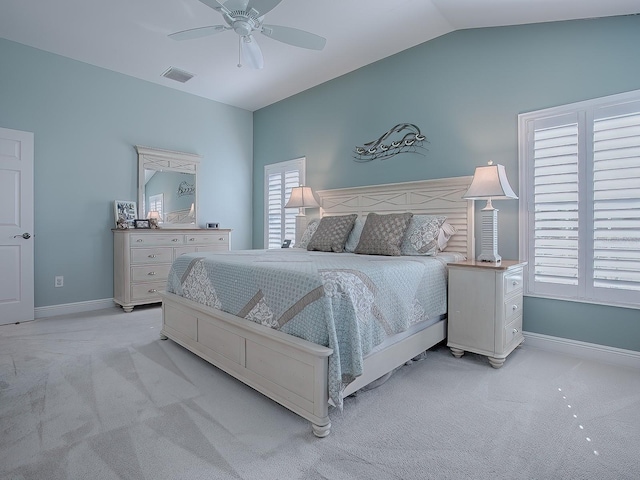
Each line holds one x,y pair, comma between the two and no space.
302,197
490,182
153,215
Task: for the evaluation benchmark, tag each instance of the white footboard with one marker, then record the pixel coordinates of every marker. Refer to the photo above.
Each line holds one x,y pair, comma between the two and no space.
287,369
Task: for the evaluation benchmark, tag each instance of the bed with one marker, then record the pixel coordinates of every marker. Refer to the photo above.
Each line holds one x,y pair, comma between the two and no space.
297,373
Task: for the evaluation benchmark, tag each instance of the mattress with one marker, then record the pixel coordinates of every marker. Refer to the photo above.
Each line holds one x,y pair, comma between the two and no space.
348,302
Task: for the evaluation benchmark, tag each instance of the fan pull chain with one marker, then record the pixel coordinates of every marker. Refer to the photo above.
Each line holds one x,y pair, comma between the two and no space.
239,52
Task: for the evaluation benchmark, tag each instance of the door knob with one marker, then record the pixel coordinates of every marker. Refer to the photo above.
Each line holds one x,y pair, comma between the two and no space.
25,235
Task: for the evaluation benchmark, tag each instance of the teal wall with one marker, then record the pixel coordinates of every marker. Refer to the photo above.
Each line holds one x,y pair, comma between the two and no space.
464,90
86,121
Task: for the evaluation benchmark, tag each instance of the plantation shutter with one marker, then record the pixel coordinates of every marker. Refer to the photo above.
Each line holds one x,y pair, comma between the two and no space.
280,178
555,202
616,199
580,184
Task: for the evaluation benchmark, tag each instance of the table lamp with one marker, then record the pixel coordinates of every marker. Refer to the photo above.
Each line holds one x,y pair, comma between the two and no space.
489,183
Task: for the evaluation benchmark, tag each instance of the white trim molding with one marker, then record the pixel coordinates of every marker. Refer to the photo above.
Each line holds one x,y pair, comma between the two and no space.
77,307
584,350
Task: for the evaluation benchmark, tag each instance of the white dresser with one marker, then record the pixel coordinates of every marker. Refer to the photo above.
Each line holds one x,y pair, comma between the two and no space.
485,308
142,259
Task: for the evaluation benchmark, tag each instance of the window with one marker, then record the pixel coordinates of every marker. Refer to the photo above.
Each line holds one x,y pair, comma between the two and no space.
279,179
580,200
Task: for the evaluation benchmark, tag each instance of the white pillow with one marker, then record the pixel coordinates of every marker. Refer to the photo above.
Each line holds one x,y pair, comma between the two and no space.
354,236
446,232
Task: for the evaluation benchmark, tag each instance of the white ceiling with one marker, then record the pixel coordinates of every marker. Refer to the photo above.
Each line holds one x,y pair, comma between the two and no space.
130,36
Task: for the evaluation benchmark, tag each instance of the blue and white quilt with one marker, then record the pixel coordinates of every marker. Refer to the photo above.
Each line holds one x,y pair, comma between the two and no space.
350,303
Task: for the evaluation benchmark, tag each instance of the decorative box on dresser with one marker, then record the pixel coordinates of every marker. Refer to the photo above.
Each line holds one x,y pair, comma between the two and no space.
485,308
142,259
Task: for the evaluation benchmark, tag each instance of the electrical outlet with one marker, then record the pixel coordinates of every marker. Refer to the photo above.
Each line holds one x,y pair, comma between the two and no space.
59,281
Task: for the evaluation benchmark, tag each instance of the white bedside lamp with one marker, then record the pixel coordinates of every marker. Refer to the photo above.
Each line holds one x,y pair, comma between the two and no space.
488,183
301,197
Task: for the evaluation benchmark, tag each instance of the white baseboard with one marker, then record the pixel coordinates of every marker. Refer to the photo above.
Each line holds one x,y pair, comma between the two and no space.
78,307
587,351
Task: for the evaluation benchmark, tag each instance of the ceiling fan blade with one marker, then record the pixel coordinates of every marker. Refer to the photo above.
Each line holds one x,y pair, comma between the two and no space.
198,32
295,37
262,6
236,5
216,6
251,52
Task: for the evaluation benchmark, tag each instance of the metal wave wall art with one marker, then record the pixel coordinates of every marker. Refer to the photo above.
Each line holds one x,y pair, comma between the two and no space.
186,188
408,139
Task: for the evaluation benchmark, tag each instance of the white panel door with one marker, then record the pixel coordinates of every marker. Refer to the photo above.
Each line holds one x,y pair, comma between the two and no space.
16,226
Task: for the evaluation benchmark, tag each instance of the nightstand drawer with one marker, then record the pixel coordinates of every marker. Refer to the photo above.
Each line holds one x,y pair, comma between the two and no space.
147,291
512,331
149,273
151,255
513,282
512,308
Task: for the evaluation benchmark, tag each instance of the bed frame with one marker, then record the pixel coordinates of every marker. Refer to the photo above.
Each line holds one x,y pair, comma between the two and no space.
292,371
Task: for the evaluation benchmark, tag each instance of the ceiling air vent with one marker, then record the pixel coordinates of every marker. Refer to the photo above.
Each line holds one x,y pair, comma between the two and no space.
177,75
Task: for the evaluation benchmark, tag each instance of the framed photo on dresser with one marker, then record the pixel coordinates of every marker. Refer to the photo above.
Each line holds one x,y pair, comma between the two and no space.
141,223
126,210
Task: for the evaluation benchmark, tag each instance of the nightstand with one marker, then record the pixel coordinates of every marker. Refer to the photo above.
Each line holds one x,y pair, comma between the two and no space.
485,308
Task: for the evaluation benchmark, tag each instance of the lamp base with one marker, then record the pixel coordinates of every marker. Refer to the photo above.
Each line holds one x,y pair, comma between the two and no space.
489,257
489,251
301,226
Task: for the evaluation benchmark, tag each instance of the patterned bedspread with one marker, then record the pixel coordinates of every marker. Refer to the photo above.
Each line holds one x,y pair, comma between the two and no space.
344,301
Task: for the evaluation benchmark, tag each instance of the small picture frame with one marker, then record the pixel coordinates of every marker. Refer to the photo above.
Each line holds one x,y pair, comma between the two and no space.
141,223
125,211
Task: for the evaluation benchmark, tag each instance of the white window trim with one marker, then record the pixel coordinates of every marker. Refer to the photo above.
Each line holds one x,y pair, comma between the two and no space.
297,163
586,119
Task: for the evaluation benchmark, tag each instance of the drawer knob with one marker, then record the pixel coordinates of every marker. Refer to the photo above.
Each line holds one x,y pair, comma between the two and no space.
515,330
515,282
174,240
139,240
221,239
152,255
153,290
151,273
514,307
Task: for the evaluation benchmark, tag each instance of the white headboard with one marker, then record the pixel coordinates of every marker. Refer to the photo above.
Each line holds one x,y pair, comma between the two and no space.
440,196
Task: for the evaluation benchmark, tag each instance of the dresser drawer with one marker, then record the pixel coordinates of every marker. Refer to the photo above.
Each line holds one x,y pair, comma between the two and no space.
512,308
149,273
212,248
152,240
147,291
182,250
151,255
513,282
221,239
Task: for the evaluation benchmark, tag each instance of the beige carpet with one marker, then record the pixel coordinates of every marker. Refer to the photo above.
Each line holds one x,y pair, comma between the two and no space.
99,396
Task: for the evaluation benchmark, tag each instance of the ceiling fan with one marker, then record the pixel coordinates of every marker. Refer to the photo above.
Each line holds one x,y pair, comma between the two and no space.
245,17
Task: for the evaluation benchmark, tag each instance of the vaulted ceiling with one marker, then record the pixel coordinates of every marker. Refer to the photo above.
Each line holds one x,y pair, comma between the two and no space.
131,36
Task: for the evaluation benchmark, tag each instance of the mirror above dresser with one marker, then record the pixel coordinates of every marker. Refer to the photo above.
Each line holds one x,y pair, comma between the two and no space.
167,186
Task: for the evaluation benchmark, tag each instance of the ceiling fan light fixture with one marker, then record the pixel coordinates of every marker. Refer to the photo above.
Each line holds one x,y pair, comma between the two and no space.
248,20
242,28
